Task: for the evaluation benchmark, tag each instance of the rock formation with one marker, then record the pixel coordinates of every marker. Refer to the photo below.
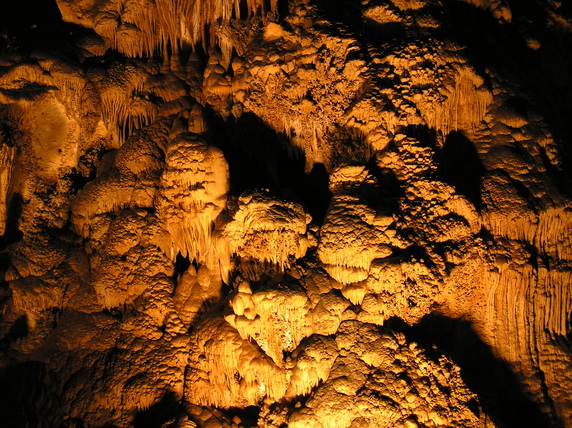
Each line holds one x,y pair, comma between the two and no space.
286,213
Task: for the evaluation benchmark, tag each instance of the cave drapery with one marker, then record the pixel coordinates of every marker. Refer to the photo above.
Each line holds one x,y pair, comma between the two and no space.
286,213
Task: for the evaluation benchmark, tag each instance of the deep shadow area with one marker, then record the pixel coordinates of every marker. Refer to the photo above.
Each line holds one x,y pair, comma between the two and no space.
20,17
461,167
500,393
18,329
76,423
342,13
37,25
27,398
12,233
181,266
422,133
167,409
248,416
258,157
544,73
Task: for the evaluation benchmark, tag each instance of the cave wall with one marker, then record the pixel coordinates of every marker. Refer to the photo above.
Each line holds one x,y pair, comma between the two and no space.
285,213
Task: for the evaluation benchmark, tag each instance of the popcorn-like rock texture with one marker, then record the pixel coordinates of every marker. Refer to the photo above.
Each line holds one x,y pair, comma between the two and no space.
285,213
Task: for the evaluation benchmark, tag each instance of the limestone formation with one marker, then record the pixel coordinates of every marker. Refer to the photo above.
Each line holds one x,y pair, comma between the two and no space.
285,213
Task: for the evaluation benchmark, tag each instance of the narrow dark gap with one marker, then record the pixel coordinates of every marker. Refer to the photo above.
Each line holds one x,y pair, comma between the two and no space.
283,9
500,393
243,9
12,234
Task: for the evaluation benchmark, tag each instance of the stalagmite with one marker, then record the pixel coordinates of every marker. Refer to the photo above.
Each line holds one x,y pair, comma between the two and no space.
192,194
267,229
346,261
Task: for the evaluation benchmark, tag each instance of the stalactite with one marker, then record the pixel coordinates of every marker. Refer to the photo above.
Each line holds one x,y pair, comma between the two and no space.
7,154
150,26
233,371
136,299
465,105
286,309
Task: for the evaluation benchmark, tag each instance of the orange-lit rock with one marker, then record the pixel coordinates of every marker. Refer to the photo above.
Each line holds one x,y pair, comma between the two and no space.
285,213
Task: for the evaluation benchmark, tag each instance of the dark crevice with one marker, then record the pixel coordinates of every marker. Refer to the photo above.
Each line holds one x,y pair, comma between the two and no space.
12,234
18,329
283,9
181,265
461,167
79,180
248,416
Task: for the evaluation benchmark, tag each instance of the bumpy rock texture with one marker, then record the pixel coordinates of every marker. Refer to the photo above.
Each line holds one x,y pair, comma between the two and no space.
305,213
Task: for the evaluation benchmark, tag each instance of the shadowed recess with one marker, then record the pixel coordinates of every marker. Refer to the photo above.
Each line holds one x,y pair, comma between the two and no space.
502,47
259,157
499,391
22,16
27,398
164,413
461,167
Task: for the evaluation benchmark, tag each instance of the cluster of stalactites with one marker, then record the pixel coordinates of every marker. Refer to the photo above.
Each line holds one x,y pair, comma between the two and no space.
139,28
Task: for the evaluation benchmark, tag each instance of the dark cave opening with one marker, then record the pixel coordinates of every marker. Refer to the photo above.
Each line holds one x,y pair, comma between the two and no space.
260,158
461,167
181,265
500,393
